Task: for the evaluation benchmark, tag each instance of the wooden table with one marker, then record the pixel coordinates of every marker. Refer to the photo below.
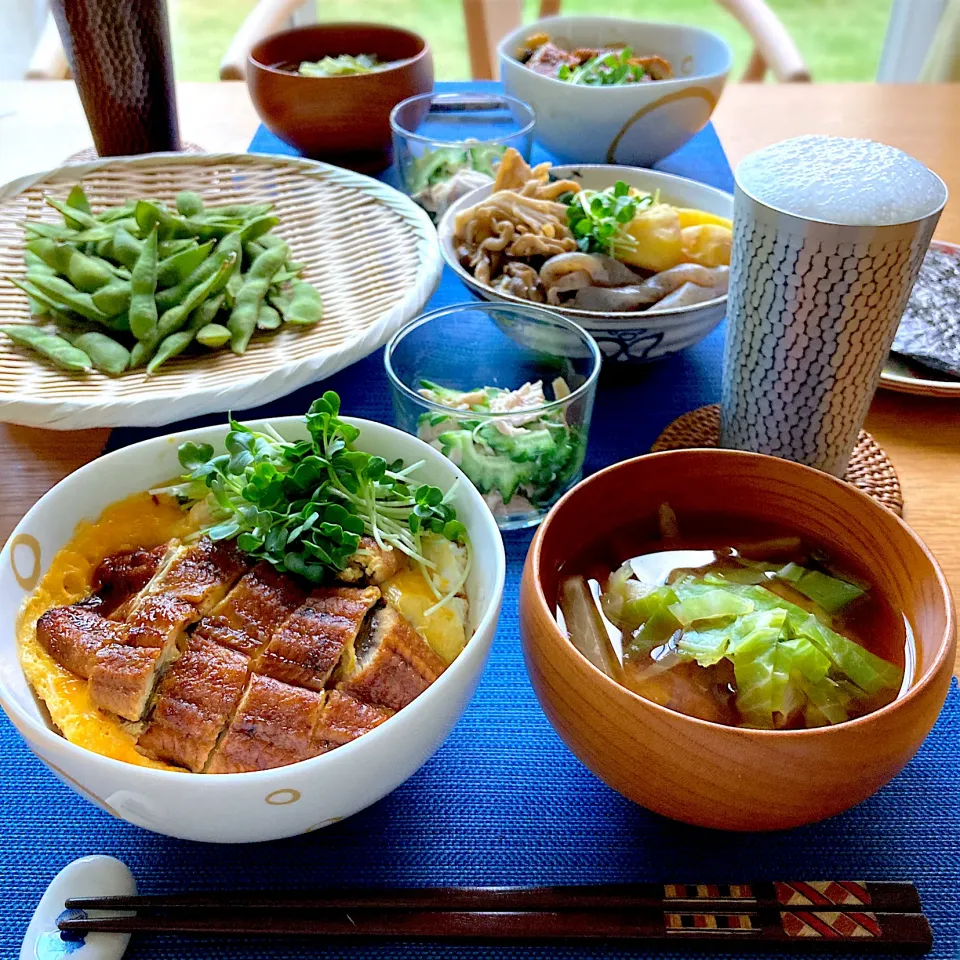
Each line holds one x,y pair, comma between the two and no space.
41,123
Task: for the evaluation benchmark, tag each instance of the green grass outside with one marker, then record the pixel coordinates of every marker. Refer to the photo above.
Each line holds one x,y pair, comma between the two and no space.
840,39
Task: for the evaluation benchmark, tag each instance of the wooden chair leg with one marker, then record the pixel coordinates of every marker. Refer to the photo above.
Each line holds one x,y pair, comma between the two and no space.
487,22
756,68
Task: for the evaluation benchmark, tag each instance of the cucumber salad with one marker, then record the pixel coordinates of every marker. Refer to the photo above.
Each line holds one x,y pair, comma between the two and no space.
516,446
440,176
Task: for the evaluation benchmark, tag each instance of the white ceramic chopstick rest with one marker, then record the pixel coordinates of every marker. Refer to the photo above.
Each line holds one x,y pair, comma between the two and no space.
86,877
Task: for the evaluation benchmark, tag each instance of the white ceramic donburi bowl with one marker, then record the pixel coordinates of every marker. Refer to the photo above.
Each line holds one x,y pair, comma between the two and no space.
266,805
632,123
637,336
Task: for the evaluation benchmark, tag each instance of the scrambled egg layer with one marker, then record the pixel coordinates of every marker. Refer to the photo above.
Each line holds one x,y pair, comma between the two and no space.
147,521
444,629
139,521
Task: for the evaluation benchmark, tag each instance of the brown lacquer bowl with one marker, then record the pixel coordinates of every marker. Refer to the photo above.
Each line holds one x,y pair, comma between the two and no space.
344,120
700,772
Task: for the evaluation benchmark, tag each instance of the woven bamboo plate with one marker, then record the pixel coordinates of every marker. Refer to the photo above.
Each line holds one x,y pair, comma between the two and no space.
369,250
870,468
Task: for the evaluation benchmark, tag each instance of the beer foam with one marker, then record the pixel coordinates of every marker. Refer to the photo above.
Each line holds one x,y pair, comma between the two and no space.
841,180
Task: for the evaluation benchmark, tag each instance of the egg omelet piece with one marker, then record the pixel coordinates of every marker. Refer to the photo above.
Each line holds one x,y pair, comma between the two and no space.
138,521
696,218
446,629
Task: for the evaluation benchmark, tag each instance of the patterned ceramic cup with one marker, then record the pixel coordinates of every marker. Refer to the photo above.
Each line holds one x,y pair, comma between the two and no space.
812,312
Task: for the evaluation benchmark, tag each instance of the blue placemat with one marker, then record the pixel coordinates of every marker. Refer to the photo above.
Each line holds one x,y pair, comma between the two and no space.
503,801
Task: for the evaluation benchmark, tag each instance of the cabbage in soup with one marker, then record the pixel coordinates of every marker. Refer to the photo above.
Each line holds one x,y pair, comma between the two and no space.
737,624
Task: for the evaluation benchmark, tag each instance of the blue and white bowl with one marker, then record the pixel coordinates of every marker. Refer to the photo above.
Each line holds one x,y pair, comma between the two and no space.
636,336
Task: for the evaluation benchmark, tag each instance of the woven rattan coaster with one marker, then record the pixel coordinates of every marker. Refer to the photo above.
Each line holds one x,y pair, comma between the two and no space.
870,468
90,153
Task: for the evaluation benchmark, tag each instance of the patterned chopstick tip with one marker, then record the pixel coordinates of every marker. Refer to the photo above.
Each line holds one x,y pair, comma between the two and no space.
827,925
822,893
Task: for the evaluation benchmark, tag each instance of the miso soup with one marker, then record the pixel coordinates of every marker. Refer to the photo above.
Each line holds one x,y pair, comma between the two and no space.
736,623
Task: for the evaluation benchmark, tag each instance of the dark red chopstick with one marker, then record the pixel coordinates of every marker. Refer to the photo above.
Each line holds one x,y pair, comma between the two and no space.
905,931
877,915
884,896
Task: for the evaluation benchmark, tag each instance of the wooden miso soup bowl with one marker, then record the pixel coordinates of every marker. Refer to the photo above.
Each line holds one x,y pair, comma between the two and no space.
344,120
704,773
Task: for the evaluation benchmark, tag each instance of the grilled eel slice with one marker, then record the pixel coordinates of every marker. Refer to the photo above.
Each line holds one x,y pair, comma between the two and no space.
192,580
199,693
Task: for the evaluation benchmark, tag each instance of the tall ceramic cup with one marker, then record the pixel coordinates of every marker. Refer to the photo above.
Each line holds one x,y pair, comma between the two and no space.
812,312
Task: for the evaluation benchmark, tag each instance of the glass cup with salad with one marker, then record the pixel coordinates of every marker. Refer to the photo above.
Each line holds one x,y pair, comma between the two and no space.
506,392
447,144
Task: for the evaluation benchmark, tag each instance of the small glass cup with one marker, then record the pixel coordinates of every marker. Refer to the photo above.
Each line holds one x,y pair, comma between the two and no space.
445,144
506,392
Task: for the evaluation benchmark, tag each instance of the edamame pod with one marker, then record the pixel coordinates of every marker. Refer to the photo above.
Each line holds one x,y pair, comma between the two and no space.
189,203
72,217
173,296
85,273
268,318
206,312
167,248
94,235
114,298
242,211
120,323
59,351
170,346
38,228
56,231
125,247
252,250
77,199
140,353
270,240
172,226
255,229
105,353
34,263
45,250
59,290
246,310
40,303
233,288
176,268
213,335
299,302
143,287
112,214
284,276
173,319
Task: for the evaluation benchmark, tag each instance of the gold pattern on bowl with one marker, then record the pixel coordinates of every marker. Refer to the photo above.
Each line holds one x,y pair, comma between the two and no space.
30,542
281,798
